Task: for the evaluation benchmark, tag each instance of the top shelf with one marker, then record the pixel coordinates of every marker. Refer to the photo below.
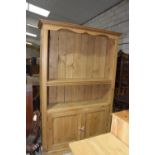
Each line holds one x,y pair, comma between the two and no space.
77,82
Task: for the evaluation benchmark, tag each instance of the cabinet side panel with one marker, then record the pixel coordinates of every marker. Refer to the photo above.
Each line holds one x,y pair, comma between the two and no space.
43,88
110,70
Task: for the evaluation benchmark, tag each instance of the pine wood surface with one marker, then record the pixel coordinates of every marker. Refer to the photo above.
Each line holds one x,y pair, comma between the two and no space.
78,94
57,152
105,144
124,115
77,105
76,125
120,126
74,59
77,82
43,89
77,70
43,22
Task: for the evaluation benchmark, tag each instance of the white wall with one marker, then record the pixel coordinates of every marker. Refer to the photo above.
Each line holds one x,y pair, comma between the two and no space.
115,19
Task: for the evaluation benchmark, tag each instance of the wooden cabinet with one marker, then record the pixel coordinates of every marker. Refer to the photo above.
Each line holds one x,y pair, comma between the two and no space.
77,80
70,125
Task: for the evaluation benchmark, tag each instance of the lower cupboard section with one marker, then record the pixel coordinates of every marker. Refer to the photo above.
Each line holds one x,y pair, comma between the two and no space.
64,127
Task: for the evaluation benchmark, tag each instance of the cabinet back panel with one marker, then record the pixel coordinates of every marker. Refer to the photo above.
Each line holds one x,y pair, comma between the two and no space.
59,94
76,56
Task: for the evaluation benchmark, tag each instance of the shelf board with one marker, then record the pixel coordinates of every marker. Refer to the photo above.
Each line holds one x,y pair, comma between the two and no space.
77,82
77,105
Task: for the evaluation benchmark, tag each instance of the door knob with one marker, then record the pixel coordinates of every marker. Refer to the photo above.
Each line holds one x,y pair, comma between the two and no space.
82,128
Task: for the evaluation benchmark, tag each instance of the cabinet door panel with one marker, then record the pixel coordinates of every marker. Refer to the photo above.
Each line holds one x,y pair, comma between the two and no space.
65,129
97,122
62,130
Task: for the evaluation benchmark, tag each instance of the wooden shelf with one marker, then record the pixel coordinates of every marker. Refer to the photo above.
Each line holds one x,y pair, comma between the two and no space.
77,105
77,82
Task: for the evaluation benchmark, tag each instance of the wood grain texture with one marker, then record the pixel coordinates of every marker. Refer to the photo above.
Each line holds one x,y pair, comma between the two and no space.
62,129
83,58
43,88
77,82
110,67
53,55
120,126
52,96
96,122
79,56
77,105
75,124
78,93
90,55
110,59
58,24
105,144
57,152
69,48
65,129
99,56
62,54
77,65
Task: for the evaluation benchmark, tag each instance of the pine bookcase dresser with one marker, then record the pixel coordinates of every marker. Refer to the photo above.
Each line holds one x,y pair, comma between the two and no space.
77,81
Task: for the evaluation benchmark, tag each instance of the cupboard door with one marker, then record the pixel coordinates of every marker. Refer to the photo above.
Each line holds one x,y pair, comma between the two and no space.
63,129
97,122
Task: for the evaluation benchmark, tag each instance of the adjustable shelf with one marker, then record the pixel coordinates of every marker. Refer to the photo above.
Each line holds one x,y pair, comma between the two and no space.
78,82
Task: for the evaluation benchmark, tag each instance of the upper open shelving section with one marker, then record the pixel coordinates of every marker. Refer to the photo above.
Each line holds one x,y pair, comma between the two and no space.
82,56
78,63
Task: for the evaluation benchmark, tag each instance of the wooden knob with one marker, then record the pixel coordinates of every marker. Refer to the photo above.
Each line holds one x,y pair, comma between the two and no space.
82,128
